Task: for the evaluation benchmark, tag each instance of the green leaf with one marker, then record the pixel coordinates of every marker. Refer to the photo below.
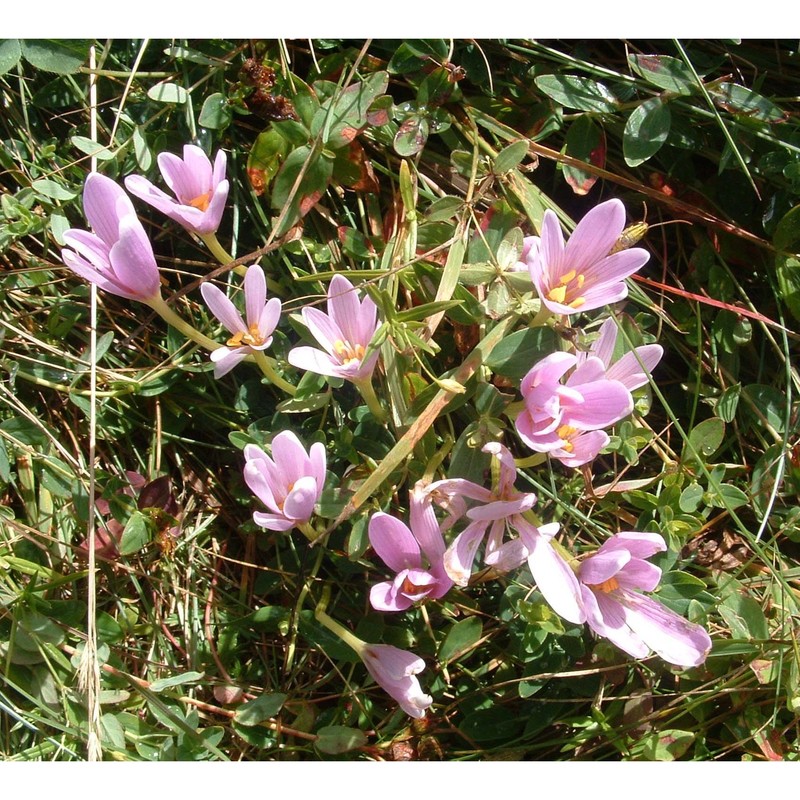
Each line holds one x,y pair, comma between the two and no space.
691,497
706,437
312,185
573,91
168,93
510,157
10,54
726,495
519,351
665,72
492,724
768,405
741,100
645,131
142,151
135,535
92,148
52,190
460,639
744,616
444,208
667,745
728,402
787,231
586,141
412,135
216,113
63,57
336,739
176,680
260,709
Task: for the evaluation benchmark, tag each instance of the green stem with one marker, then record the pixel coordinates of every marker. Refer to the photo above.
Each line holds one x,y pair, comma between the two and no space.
307,531
220,253
158,305
350,639
265,363
368,393
541,317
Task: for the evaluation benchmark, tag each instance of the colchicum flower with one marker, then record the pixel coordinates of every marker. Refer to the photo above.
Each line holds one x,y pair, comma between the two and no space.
401,549
583,274
565,420
612,580
200,190
396,670
633,369
117,255
501,510
289,484
344,333
254,335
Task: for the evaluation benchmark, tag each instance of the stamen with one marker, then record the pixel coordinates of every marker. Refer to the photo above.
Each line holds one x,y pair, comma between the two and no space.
607,586
557,294
201,202
251,337
569,284
348,353
565,433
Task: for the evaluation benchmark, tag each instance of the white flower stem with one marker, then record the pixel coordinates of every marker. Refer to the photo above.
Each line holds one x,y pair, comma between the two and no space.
350,639
368,393
541,317
220,253
158,305
265,363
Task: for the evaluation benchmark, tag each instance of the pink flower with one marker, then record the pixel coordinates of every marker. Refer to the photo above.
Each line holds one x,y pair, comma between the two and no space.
632,369
262,318
290,483
584,274
117,255
564,419
611,584
395,670
401,549
501,510
201,190
344,333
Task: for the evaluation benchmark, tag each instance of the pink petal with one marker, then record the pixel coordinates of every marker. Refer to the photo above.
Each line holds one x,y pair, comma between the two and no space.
611,623
604,403
384,597
640,544
393,542
554,577
299,502
222,308
594,236
273,522
104,203
313,360
322,328
585,447
133,261
674,638
255,294
290,457
599,567
225,359
459,556
634,368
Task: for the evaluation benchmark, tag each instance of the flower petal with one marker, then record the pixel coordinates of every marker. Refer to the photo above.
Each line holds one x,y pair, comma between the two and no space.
222,308
393,542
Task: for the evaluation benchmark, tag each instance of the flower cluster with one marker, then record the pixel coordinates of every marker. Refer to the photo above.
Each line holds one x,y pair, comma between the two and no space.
569,399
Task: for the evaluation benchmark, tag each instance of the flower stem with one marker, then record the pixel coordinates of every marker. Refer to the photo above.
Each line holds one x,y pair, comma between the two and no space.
158,305
350,639
220,253
541,317
307,531
269,371
368,393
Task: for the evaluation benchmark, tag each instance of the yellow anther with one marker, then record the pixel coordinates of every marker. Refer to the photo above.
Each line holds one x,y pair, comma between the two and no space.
557,294
565,433
201,202
347,352
607,586
251,337
567,277
577,302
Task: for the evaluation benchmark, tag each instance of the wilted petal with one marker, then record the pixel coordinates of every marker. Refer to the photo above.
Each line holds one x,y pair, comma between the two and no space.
460,555
674,638
554,577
